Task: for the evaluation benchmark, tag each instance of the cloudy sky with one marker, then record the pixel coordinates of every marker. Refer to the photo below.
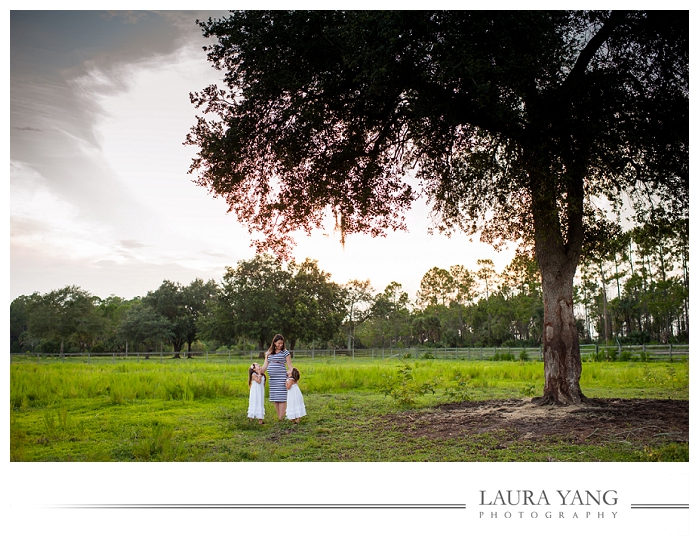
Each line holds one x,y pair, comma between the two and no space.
100,195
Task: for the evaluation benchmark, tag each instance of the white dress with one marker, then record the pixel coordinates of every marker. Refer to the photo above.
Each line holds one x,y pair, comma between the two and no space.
256,406
294,403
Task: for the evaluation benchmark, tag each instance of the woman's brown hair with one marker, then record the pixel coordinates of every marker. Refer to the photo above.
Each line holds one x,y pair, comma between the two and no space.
272,349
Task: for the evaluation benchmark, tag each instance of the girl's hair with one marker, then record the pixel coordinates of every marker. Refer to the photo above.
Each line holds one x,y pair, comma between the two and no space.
272,349
295,374
251,371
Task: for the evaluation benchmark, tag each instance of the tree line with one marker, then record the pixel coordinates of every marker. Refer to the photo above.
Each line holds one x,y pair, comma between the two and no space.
634,285
634,288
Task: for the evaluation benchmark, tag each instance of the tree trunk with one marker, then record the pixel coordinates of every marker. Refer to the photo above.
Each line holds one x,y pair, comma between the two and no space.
558,251
562,364
604,305
177,348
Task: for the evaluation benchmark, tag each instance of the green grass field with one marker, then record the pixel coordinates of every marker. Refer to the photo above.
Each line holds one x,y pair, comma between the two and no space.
195,410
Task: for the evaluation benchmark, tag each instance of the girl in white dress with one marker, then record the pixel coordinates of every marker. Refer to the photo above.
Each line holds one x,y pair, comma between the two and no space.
295,408
256,384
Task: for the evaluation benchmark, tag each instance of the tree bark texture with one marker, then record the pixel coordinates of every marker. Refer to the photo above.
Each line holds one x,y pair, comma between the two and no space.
562,363
558,246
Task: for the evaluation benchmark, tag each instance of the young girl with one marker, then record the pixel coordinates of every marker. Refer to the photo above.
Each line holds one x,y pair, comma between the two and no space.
256,384
295,408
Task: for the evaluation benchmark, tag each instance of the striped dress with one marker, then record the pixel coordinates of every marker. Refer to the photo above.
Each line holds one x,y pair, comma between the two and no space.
276,370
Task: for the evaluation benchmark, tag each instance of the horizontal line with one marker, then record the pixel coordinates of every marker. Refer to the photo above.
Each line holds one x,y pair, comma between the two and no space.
659,506
260,506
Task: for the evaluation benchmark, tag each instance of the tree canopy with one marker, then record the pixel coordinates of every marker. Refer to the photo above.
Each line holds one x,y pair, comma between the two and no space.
498,113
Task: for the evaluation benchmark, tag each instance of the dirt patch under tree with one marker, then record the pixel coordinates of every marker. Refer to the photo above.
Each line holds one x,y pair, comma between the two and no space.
599,421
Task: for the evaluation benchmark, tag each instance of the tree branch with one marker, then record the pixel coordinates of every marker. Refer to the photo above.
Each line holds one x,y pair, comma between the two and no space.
593,46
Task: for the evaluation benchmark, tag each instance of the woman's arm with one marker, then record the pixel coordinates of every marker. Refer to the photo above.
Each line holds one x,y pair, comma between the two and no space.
288,362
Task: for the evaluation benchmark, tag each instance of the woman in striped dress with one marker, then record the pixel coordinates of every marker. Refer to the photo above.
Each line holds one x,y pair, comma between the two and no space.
277,362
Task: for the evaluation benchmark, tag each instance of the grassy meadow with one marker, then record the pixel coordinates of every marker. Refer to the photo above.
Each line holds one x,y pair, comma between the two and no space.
196,410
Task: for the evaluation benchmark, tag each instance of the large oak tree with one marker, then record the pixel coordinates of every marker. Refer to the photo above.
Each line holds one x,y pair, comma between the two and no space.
512,121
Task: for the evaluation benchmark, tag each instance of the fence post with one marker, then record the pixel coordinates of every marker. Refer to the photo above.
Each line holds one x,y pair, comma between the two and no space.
671,353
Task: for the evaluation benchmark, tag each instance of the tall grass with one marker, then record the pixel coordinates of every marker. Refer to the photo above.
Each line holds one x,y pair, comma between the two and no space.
39,385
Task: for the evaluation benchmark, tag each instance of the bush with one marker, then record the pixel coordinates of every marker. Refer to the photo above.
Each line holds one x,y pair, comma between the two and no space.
528,391
403,387
458,391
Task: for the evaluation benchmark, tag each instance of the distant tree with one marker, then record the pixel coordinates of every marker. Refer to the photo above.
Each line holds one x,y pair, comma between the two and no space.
251,301
511,120
169,300
390,317
359,295
112,310
437,286
19,324
680,247
314,305
62,314
654,241
521,290
427,324
465,287
489,278
436,291
198,297
144,326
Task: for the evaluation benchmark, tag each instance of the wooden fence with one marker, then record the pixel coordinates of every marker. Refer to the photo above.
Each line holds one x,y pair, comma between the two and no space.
647,352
